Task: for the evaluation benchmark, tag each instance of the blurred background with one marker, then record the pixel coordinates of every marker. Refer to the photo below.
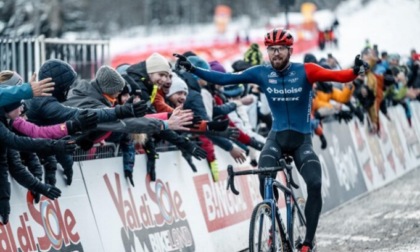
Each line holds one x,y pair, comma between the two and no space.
103,18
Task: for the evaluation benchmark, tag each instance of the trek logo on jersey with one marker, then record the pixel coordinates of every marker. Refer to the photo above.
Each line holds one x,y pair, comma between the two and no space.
284,91
293,80
273,75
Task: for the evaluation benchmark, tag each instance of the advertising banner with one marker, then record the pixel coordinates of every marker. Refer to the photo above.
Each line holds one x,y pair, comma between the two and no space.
65,224
342,177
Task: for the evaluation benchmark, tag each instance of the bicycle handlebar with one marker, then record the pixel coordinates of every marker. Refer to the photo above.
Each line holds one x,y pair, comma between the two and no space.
264,171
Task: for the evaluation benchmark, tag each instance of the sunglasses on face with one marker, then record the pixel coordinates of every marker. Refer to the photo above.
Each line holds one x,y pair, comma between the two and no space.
278,49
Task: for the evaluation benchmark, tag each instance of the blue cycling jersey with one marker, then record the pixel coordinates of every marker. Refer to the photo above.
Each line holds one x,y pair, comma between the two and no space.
289,93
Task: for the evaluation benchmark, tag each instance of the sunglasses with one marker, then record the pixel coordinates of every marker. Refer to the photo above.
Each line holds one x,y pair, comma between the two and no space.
278,49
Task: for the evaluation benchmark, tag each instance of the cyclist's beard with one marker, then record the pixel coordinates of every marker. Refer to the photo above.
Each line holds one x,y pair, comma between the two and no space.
279,62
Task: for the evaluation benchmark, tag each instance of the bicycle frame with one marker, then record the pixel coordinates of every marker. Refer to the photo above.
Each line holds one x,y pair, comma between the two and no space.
271,184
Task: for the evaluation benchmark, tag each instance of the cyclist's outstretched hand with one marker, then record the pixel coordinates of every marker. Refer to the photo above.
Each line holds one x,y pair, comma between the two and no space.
183,62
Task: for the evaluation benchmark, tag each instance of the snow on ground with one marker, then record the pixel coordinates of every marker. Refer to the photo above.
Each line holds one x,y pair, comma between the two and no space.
391,24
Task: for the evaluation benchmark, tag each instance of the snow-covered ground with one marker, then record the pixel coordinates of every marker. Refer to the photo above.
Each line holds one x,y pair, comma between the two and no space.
391,24
394,25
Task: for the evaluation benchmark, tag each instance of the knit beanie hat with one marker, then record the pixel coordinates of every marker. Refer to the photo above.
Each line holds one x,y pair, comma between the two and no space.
216,66
14,80
157,63
253,55
309,58
109,80
199,62
62,74
178,84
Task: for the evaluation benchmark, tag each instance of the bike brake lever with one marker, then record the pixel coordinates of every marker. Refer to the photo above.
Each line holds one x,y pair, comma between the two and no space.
231,181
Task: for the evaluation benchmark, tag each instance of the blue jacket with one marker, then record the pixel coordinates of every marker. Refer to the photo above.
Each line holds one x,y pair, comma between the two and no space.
289,92
12,94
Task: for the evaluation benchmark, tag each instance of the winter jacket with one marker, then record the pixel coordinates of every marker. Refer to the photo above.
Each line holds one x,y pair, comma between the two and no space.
195,102
12,94
88,96
326,92
32,130
48,111
137,76
9,140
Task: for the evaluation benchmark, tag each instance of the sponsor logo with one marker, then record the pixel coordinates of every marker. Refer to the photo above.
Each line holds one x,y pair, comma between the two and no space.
59,227
156,218
221,208
293,80
285,98
292,73
284,91
345,163
273,75
272,81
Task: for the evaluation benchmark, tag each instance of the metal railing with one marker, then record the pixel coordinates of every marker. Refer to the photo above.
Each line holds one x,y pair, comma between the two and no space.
25,55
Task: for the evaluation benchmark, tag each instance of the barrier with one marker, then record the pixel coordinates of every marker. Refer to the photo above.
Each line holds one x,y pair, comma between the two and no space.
26,55
186,211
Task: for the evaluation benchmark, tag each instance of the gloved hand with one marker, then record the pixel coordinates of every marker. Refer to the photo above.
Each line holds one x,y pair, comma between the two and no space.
151,168
50,177
214,170
47,190
182,61
36,195
323,141
344,115
211,125
254,143
84,142
83,122
4,210
218,125
68,172
64,146
187,156
360,67
195,150
129,110
129,175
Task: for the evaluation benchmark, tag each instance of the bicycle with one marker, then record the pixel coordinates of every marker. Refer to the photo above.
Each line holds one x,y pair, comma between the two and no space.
266,218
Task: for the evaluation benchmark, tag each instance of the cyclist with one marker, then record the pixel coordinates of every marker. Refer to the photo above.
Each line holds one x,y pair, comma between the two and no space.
288,87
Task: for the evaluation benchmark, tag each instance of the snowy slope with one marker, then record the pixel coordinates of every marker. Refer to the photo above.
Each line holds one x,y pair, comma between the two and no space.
394,25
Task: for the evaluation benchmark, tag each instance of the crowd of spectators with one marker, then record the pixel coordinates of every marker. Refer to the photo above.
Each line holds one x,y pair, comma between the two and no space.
154,102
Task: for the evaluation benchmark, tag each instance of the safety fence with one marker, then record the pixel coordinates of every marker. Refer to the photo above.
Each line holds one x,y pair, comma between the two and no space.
25,55
187,211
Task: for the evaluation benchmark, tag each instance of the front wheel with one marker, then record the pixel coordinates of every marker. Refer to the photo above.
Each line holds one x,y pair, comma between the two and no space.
260,231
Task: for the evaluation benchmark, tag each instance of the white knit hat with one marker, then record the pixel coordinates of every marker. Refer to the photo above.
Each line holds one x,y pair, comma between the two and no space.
178,84
157,63
109,80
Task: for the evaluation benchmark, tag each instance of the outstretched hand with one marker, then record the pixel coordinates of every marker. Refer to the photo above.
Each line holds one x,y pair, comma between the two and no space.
360,66
180,119
41,88
183,62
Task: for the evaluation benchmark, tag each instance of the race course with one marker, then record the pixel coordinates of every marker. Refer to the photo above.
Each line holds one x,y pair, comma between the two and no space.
384,220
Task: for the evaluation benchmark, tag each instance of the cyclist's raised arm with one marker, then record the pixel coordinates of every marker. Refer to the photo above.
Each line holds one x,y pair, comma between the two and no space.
247,76
316,73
